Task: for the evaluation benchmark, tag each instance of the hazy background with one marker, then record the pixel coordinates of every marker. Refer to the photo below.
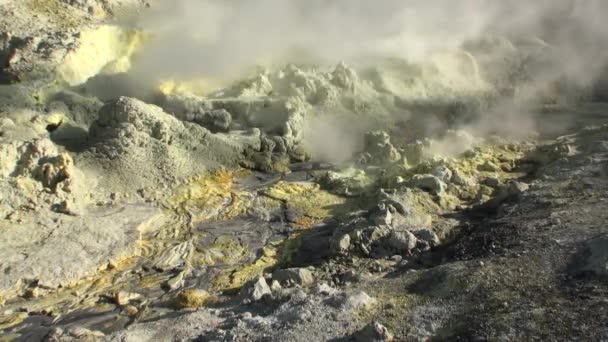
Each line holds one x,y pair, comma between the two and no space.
541,46
209,37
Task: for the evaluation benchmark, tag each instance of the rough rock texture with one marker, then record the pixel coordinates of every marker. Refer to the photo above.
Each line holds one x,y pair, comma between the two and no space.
369,184
256,289
29,250
145,147
294,276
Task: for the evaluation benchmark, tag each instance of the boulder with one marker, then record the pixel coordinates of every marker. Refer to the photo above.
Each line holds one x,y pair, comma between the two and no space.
255,289
402,241
428,183
294,276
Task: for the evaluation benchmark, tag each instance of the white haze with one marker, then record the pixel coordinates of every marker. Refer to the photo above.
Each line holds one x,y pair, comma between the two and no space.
211,37
222,38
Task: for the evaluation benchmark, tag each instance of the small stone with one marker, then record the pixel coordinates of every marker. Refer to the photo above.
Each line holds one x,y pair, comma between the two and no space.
124,298
255,289
359,301
32,293
344,244
325,289
374,332
402,241
492,182
443,173
516,188
481,264
459,178
294,276
193,298
428,183
396,258
275,286
130,310
488,166
427,235
383,218
350,277
176,282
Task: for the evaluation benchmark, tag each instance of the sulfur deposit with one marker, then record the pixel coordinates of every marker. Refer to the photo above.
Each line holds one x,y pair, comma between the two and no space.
273,171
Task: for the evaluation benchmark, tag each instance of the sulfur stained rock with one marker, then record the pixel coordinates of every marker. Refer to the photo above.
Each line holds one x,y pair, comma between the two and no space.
29,250
193,298
378,149
124,298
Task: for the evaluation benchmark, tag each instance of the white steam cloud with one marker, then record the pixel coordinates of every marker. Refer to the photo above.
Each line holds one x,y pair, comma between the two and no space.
220,39
211,37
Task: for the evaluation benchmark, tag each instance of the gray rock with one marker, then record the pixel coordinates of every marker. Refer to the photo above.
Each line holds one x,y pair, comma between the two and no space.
343,244
324,289
358,301
459,178
374,332
383,217
255,289
492,182
516,188
215,120
402,241
378,149
294,276
427,236
275,286
59,255
443,173
513,189
428,183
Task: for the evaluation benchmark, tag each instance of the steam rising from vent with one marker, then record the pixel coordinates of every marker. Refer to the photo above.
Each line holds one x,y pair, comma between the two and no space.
212,37
501,60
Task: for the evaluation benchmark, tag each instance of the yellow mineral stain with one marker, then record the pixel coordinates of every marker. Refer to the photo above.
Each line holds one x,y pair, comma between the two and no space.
273,256
227,250
11,320
193,298
56,12
309,202
107,49
211,196
199,87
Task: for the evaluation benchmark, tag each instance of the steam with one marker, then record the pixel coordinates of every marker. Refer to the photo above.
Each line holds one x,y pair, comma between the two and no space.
210,37
547,46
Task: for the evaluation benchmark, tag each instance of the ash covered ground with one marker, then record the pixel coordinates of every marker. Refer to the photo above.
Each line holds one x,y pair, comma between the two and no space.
303,171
